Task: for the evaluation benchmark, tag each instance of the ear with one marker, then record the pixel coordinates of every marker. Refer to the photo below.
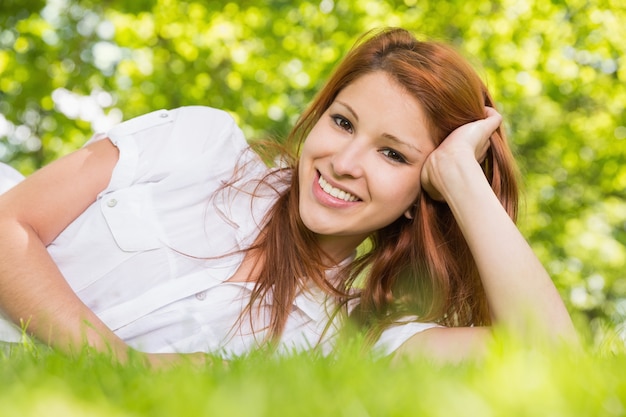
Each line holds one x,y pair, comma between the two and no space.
409,212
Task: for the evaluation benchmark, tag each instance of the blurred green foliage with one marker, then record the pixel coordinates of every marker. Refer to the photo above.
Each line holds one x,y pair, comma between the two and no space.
557,69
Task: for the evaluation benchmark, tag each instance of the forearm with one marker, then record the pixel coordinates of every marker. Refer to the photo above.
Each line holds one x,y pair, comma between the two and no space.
519,290
33,293
32,214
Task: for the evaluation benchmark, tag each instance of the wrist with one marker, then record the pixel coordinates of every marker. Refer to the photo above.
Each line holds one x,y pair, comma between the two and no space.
455,176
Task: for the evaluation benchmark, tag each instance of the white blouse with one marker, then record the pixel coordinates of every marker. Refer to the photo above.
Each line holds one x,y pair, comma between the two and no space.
152,255
8,177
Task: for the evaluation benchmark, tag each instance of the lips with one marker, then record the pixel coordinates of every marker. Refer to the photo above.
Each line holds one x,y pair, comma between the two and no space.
336,192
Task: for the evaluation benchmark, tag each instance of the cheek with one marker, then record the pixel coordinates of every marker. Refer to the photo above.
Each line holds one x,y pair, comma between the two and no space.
400,190
310,143
317,144
309,152
305,149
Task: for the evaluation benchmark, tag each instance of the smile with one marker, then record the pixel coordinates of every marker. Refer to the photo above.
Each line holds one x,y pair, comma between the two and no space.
335,192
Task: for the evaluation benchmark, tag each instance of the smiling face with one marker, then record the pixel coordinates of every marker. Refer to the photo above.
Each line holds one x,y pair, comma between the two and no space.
360,165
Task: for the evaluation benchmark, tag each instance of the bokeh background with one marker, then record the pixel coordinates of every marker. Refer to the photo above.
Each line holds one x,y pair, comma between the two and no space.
557,69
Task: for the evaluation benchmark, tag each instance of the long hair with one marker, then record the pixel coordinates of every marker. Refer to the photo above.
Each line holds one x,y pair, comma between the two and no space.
420,267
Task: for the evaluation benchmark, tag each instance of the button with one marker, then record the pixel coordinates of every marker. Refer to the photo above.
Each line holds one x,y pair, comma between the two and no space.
112,202
163,115
201,295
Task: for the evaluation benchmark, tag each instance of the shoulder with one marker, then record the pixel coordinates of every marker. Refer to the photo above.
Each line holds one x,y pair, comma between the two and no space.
195,119
184,132
202,117
183,141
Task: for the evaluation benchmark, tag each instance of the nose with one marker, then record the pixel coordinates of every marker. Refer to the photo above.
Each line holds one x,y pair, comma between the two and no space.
348,159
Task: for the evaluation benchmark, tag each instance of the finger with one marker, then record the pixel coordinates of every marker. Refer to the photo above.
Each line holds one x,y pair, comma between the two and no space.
477,133
491,122
490,125
493,114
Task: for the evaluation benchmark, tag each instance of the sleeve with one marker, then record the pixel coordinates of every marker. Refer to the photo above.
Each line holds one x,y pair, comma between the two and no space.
170,163
154,145
8,177
394,336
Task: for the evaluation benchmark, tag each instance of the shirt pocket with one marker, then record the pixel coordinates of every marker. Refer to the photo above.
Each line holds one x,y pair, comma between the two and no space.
130,218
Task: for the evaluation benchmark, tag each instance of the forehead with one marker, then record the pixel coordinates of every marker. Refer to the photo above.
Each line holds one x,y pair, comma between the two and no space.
378,88
380,101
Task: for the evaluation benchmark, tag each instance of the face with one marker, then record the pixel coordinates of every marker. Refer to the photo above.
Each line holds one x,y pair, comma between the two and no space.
360,165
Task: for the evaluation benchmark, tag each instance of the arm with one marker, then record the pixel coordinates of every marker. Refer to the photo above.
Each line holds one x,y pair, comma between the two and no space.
32,214
520,292
32,289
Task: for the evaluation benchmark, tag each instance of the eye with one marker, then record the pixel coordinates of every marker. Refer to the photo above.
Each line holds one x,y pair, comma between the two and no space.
395,156
342,122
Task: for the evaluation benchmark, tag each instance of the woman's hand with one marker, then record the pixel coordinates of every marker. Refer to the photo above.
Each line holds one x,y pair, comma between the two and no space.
467,144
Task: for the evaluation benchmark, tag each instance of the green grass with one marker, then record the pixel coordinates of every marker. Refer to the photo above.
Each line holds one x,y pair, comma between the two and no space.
510,381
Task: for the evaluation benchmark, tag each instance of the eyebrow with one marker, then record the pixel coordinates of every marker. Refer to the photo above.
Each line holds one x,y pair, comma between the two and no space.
385,135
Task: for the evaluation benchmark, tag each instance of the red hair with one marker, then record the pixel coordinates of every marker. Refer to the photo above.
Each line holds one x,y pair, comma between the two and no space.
421,267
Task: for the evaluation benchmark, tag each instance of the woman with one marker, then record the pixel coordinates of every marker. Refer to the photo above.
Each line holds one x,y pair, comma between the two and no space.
173,236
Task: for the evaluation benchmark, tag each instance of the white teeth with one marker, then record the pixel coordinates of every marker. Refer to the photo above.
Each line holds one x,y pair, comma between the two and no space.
335,192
